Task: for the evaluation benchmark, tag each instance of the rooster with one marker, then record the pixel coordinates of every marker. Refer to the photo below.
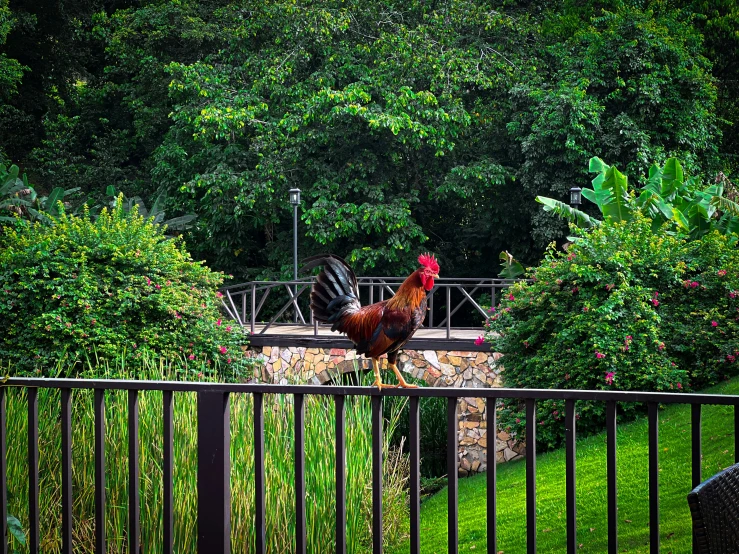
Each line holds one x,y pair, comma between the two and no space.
380,328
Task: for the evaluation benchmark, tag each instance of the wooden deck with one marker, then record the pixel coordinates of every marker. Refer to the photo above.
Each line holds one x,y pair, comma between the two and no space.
303,335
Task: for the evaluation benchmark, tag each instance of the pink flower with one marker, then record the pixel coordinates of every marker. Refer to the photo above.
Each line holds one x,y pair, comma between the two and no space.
721,272
714,324
158,287
655,302
732,294
610,287
479,340
223,349
661,346
200,375
148,281
228,328
219,294
731,359
629,337
518,420
177,315
693,284
511,297
571,257
575,290
229,360
609,377
191,357
585,309
218,323
599,355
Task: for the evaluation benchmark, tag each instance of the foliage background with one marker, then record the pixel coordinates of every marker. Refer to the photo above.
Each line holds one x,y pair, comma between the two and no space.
407,125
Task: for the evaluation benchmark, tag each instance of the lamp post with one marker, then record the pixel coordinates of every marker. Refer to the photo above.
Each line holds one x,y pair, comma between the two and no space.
295,201
575,197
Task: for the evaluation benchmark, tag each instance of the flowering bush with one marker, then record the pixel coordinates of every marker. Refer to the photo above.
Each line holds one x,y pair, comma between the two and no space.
614,313
114,287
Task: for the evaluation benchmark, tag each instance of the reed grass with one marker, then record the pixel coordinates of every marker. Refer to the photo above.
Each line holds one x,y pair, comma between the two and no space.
279,471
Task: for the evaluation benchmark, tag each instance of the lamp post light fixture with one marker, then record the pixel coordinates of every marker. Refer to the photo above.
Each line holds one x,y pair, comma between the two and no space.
575,197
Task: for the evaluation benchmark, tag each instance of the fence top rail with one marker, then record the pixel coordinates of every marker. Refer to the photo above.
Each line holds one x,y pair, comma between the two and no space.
446,281
425,392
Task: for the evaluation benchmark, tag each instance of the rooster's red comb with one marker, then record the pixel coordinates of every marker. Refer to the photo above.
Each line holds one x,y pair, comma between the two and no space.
428,260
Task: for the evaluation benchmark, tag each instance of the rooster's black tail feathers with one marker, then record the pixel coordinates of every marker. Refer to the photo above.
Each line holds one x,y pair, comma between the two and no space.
335,292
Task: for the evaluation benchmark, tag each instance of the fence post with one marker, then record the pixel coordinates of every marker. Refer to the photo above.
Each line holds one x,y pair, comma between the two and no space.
214,469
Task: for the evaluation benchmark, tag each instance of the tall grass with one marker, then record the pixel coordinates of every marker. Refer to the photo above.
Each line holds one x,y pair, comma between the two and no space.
279,469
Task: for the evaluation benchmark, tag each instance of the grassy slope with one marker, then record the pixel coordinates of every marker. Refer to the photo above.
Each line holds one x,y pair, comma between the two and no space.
675,483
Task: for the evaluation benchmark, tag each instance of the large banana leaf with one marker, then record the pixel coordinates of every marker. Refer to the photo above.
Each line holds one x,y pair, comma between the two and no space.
581,219
617,206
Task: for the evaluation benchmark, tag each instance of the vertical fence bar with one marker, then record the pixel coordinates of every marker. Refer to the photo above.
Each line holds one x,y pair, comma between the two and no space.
33,512
340,474
452,475
736,433
3,471
611,476
696,447
300,528
133,472
259,505
448,312
570,461
253,306
167,471
66,424
492,471
214,472
530,476
431,309
100,471
653,477
415,485
377,474
695,423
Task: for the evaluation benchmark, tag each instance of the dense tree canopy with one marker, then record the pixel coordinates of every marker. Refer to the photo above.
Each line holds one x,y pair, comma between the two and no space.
407,125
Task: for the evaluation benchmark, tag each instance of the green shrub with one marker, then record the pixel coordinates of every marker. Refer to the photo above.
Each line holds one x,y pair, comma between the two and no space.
614,313
81,289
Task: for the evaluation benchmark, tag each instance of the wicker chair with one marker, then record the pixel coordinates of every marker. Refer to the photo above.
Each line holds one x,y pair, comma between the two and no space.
714,507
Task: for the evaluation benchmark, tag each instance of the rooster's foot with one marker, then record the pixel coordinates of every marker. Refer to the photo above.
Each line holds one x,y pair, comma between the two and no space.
380,385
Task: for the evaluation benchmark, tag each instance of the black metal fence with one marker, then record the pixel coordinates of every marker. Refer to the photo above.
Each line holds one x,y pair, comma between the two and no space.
213,474
453,303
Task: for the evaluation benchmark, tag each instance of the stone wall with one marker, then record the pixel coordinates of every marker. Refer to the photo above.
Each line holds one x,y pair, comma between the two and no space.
439,368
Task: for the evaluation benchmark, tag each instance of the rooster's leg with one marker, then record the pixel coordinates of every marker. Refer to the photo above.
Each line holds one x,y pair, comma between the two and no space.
378,381
402,382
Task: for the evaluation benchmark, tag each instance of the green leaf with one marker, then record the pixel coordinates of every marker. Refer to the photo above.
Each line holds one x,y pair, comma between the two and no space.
597,165
16,529
617,206
581,219
51,202
512,269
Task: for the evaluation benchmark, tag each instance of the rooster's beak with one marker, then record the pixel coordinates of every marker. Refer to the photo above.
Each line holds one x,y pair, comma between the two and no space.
435,275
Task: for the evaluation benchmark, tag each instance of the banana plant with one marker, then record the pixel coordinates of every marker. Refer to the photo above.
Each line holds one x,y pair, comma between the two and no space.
19,198
512,268
668,197
156,213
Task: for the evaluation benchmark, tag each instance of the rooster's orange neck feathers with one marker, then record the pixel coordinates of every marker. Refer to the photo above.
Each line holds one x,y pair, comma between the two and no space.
410,294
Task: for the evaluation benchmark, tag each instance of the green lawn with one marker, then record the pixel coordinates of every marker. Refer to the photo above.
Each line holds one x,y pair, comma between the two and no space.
592,529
